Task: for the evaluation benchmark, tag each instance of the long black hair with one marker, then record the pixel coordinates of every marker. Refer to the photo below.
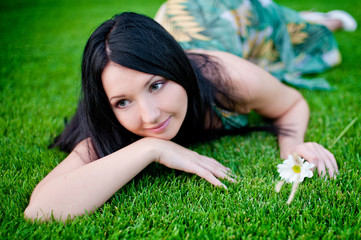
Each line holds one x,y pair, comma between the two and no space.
137,42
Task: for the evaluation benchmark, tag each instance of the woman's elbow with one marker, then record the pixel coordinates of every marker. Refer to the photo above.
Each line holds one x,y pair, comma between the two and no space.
36,213
31,213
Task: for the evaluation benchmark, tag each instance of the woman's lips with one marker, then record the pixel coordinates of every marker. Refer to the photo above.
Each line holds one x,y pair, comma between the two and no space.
160,127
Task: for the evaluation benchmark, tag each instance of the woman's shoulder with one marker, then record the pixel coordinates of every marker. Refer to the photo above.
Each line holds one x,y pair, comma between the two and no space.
79,156
250,85
214,53
84,150
211,53
243,77
234,66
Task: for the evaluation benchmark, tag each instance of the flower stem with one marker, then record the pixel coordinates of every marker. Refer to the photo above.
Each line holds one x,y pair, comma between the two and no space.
294,189
279,186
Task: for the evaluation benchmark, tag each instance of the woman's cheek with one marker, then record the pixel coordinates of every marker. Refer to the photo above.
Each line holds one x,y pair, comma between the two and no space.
131,119
124,120
175,98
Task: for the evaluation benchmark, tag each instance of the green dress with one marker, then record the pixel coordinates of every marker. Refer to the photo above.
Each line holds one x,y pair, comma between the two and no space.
274,37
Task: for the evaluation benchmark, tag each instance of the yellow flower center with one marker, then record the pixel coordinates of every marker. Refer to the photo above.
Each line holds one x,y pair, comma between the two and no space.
296,169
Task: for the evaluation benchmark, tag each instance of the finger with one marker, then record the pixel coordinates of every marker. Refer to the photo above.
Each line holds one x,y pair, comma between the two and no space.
216,163
313,156
217,170
323,157
329,160
333,159
205,174
321,167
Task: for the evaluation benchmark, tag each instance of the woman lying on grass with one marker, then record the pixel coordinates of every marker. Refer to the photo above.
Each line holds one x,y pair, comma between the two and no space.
144,98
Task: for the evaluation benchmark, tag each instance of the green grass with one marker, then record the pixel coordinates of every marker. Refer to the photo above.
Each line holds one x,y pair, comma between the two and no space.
41,45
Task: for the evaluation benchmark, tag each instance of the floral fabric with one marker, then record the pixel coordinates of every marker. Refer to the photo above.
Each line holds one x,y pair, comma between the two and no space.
272,36
231,120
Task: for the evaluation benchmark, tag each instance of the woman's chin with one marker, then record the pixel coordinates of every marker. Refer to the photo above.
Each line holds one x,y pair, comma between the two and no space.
166,137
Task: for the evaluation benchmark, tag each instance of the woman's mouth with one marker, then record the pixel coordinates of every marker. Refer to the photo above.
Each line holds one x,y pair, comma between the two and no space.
160,127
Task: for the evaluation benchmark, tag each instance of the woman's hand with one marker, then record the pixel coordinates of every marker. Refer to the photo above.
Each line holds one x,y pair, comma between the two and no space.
318,155
177,157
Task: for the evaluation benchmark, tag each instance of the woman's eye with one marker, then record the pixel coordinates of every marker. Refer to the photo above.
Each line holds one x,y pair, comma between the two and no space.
156,86
122,103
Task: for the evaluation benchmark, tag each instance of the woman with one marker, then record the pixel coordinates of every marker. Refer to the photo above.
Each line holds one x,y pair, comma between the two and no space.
143,99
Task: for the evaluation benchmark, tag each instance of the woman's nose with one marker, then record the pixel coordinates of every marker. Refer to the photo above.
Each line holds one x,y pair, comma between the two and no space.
149,111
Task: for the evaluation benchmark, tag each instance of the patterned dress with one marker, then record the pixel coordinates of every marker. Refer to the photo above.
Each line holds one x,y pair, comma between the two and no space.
274,37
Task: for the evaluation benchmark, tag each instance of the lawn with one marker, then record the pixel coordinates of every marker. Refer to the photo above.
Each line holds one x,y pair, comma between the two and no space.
41,46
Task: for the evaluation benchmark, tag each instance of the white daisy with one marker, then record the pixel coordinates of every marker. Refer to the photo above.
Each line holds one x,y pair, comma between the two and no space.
295,168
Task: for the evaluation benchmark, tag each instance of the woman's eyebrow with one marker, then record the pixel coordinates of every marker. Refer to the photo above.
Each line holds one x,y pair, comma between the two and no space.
145,85
149,80
117,96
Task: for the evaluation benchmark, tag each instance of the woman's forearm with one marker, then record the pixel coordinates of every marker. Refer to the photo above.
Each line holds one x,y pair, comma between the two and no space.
72,189
295,120
88,187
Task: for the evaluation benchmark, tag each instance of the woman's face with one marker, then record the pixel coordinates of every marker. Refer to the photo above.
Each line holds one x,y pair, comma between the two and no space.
145,104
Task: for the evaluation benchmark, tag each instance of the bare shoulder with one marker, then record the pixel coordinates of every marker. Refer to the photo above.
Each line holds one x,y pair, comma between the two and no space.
76,159
81,155
238,69
241,73
256,88
229,59
246,80
85,151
